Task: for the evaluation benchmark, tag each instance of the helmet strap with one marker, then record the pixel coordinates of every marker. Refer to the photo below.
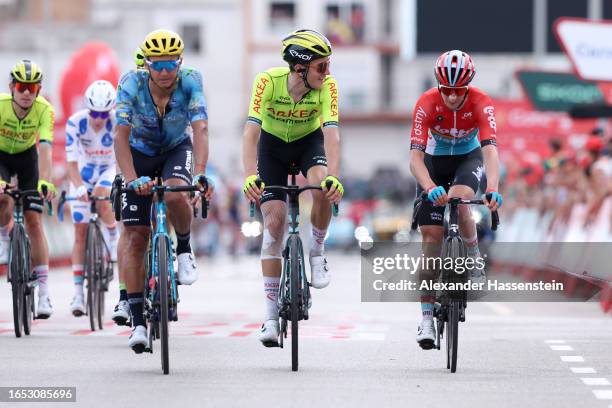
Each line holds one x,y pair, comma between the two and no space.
304,75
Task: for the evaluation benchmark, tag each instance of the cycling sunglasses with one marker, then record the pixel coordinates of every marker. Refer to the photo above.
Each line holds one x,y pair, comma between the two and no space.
95,114
21,87
159,66
448,90
322,66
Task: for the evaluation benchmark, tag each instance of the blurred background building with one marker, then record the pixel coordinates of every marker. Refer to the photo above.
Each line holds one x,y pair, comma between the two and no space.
384,52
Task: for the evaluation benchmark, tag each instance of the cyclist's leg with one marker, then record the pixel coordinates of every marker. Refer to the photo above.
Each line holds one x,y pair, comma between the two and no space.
272,169
27,179
135,214
431,224
177,172
6,210
80,217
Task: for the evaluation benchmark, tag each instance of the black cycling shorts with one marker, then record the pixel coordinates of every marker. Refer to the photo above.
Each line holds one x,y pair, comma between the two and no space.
274,157
24,165
447,171
177,163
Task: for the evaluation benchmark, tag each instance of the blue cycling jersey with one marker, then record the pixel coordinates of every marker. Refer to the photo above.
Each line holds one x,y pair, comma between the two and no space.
151,134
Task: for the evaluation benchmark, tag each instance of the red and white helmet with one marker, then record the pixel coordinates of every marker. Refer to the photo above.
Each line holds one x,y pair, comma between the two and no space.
454,68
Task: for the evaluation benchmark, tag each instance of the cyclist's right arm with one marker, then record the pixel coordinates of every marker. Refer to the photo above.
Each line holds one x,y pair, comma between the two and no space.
418,144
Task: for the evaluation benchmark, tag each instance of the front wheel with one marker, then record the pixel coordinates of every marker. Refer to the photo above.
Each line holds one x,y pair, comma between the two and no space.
162,287
452,340
16,277
294,277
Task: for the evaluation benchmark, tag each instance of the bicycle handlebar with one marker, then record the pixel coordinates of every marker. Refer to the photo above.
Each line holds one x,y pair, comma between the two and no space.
63,198
118,189
455,200
292,190
17,194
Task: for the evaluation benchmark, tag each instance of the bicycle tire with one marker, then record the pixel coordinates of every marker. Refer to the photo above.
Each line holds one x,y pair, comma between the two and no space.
90,268
294,270
28,297
162,286
453,322
100,278
15,273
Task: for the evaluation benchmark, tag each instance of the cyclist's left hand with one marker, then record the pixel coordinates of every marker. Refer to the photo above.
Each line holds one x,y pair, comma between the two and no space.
335,191
496,200
50,189
208,193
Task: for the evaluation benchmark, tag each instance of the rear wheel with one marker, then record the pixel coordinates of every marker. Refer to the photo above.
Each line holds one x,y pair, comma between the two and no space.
90,270
102,270
294,270
162,287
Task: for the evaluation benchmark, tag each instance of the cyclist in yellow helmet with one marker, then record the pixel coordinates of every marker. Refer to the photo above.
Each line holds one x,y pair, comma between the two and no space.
293,118
155,106
26,117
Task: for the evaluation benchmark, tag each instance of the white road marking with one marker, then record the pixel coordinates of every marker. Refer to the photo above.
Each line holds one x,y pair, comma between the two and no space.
554,341
603,394
572,359
499,308
583,370
595,381
562,348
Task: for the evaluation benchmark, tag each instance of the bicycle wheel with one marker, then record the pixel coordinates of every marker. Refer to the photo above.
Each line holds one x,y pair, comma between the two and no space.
15,273
90,270
453,334
294,277
162,287
28,295
100,278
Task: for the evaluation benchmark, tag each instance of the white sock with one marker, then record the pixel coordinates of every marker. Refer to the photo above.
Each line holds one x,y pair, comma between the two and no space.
42,273
77,273
271,285
317,241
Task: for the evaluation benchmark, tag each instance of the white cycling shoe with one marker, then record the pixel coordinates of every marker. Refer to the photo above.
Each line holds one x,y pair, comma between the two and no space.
138,339
77,306
319,272
121,314
187,269
4,250
426,334
269,333
477,275
44,309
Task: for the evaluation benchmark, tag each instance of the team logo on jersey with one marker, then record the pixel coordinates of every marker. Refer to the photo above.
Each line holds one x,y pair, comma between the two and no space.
439,118
438,108
478,173
489,110
418,121
466,115
107,140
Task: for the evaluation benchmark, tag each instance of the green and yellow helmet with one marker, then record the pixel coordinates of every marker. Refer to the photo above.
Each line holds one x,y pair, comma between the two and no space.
302,46
162,42
139,57
27,71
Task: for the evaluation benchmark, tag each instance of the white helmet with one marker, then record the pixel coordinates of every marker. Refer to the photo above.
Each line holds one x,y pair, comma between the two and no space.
100,96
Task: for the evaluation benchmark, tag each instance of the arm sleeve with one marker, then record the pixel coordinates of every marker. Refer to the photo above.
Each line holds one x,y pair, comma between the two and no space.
487,127
126,95
420,125
71,141
197,101
46,125
329,102
263,89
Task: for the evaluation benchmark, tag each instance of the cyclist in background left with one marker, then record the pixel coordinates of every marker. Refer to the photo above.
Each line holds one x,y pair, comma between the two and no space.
154,108
91,169
25,117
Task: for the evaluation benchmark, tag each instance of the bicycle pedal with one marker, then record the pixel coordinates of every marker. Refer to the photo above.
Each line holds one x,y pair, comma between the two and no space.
427,344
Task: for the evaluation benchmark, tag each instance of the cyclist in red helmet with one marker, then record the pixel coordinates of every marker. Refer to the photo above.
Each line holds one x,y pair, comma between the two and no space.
452,145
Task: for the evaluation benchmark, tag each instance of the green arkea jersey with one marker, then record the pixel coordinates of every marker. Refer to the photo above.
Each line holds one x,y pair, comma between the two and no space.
274,110
16,135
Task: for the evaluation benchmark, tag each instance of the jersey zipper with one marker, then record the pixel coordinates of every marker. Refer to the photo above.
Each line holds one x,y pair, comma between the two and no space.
454,127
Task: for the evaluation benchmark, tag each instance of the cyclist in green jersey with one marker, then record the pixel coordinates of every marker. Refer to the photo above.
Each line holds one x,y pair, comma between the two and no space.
293,119
26,117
